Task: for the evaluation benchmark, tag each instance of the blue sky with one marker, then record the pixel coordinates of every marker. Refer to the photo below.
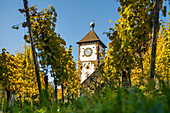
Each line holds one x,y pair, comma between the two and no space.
73,21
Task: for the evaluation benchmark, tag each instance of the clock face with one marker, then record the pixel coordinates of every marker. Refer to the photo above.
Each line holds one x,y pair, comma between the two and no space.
88,52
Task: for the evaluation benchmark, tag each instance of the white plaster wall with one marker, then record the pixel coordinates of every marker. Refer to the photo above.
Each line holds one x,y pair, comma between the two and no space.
101,49
90,58
86,72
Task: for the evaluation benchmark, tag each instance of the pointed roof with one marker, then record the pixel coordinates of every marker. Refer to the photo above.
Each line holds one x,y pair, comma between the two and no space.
91,37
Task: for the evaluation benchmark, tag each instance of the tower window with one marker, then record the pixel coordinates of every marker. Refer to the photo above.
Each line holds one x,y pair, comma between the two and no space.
87,74
88,67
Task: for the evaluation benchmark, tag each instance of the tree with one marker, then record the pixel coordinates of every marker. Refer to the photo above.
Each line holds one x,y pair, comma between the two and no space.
129,39
71,79
47,42
162,60
156,26
18,75
32,45
6,75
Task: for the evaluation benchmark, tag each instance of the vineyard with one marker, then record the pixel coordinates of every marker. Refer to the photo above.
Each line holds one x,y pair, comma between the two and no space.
134,74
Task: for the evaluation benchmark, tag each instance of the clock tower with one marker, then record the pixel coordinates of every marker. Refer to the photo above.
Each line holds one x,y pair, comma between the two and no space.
90,48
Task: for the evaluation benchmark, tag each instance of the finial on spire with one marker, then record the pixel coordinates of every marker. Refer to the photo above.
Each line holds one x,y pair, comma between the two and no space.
92,25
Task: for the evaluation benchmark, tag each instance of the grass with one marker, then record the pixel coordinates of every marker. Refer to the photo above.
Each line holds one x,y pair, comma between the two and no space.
121,100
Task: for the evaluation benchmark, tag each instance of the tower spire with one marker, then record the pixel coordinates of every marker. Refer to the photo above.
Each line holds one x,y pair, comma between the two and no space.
92,25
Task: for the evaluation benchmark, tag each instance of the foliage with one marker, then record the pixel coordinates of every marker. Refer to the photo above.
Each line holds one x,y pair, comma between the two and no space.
162,59
108,100
70,80
129,53
18,76
119,100
131,34
130,43
53,56
7,65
